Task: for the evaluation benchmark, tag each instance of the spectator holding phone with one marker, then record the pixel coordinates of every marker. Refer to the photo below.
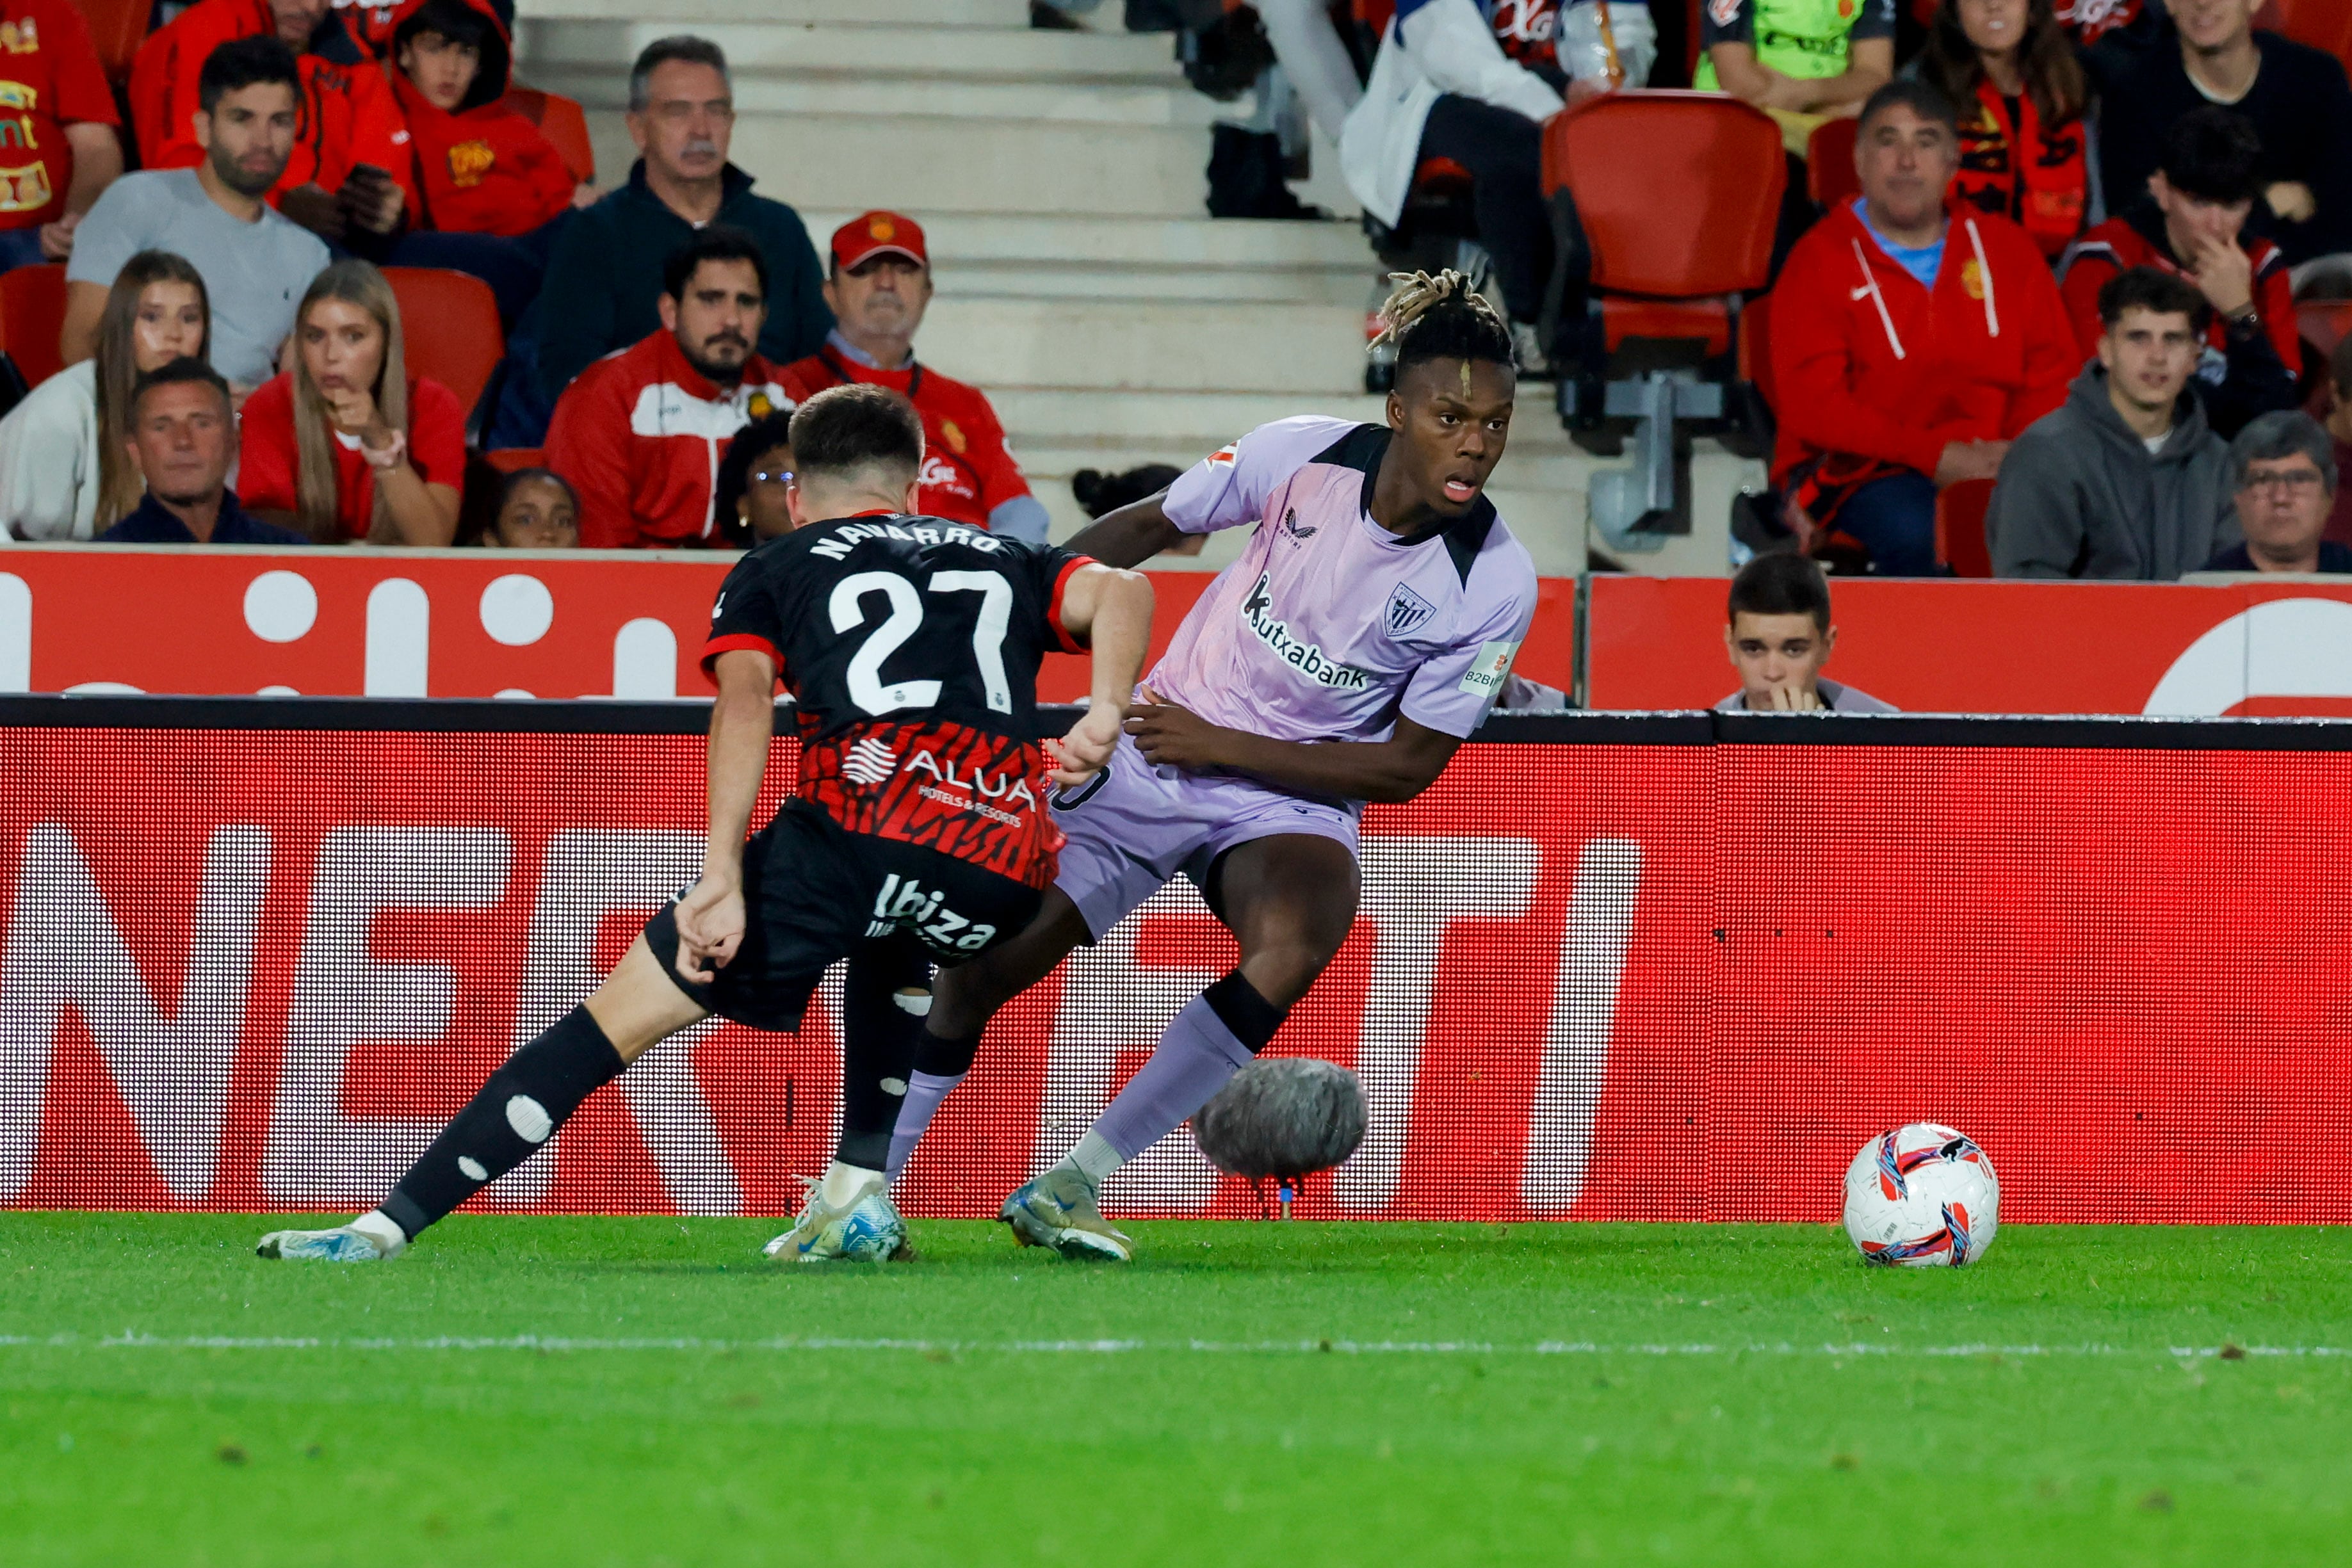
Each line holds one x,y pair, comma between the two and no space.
255,263
345,176
64,469
347,445
491,191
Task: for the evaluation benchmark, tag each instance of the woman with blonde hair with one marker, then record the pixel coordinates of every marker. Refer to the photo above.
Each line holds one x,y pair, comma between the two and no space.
347,445
64,470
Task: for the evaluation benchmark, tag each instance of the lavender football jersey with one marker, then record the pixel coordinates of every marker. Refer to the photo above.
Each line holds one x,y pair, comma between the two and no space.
1329,626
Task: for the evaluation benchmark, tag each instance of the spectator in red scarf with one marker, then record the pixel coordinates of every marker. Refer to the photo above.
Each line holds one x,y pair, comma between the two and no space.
2023,101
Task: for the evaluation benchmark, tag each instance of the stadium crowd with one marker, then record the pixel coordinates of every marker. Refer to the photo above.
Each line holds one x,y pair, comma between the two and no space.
2071,261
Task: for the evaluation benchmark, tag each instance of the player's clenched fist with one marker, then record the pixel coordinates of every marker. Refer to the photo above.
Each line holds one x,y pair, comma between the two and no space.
1081,754
709,928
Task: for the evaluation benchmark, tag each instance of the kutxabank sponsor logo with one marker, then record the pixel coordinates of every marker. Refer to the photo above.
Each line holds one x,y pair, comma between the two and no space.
1305,657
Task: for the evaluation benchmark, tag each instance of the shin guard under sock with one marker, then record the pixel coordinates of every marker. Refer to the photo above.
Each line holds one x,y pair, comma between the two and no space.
886,997
517,1112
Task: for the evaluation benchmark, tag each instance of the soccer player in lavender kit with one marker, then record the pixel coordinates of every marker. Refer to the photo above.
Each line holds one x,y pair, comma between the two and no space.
1378,607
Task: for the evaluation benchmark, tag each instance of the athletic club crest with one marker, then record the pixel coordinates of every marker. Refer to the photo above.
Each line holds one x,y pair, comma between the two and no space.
1407,612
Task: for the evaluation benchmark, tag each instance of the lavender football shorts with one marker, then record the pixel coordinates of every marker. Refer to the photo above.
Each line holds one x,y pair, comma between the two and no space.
1133,826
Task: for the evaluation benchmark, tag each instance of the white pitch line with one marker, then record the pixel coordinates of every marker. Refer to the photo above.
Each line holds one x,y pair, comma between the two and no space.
560,1343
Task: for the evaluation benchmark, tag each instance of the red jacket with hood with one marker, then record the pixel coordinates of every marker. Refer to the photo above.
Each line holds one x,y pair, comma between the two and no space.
483,169
1868,364
347,113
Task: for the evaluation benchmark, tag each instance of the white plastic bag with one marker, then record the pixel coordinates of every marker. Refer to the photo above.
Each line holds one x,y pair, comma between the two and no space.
1577,41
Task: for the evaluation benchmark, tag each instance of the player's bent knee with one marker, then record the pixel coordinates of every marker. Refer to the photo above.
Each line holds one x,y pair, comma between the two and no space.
638,1006
1281,972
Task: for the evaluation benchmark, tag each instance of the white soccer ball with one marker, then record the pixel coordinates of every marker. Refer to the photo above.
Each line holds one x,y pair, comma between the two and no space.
1922,1197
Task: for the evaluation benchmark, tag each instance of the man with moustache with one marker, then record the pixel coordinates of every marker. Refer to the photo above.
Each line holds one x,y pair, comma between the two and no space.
254,262
641,432
607,270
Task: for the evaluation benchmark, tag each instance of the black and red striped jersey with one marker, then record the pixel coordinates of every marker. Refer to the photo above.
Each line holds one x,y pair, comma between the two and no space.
910,646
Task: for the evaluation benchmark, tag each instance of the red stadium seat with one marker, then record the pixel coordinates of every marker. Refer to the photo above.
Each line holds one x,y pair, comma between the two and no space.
31,314
449,328
1676,194
1829,178
2325,323
2324,25
561,120
1960,527
514,459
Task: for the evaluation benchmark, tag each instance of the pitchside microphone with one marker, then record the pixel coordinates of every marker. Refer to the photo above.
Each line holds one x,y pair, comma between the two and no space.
1284,1117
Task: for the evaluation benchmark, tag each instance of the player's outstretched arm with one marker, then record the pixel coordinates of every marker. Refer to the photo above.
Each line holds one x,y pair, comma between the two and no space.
1394,769
742,722
1110,610
1131,534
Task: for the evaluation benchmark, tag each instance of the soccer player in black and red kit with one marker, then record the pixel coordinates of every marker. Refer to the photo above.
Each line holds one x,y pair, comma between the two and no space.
910,646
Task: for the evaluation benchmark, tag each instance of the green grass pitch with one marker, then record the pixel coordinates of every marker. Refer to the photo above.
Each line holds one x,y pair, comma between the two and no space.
644,1391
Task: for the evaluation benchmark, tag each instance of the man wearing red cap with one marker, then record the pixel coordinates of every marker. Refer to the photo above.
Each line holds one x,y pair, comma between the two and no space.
879,285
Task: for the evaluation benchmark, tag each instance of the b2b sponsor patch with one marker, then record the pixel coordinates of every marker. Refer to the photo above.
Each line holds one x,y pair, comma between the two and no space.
1486,671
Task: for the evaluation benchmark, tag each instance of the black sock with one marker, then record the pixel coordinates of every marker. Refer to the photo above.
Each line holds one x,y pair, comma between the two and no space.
512,1117
943,1058
881,1024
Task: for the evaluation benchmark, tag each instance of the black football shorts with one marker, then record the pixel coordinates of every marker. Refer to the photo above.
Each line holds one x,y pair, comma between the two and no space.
815,893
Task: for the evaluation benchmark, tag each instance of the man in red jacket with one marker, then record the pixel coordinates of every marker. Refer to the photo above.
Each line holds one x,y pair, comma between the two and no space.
1909,346
879,285
641,431
2192,223
350,173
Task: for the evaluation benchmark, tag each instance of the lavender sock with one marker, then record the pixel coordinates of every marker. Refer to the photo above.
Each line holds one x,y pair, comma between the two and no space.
925,1090
1196,1056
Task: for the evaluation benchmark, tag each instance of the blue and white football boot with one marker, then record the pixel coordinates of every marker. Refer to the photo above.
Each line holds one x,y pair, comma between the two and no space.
370,1239
1061,1209
865,1229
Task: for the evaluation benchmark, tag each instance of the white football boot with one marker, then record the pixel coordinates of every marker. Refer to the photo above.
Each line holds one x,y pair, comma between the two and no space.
370,1239
865,1229
1059,1209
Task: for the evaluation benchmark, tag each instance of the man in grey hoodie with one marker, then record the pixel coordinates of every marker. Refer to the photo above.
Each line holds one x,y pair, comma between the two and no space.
2126,480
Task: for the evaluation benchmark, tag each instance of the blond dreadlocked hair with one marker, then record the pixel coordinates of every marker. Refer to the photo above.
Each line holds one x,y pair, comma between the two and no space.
1441,317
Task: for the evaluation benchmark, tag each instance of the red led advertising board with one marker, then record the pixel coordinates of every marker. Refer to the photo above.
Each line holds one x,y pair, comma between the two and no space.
1657,969
1960,646
443,623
